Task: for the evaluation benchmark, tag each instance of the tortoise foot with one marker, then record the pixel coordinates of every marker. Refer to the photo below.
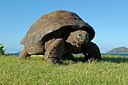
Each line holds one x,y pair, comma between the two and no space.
91,51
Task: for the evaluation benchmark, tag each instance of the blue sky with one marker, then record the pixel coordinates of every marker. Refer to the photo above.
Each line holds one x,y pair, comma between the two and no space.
108,17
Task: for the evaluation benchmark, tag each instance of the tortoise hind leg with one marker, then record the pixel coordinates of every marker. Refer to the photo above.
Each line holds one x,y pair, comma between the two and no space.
55,52
24,54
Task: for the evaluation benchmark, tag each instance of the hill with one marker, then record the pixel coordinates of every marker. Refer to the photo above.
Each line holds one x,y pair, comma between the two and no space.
119,50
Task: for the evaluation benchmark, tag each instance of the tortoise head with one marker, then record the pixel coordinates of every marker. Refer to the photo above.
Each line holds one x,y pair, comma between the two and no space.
78,38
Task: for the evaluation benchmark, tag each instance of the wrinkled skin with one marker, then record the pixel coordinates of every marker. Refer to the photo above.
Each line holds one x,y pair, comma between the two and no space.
56,48
54,52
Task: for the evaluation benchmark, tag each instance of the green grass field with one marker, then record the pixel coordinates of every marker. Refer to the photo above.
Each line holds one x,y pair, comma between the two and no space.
111,70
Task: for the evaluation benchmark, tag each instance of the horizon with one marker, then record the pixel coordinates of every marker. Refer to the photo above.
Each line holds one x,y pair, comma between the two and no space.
80,53
108,18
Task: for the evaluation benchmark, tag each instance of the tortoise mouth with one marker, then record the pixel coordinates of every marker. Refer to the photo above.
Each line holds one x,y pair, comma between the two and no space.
78,45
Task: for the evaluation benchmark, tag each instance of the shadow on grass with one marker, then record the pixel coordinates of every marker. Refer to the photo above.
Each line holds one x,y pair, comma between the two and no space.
115,59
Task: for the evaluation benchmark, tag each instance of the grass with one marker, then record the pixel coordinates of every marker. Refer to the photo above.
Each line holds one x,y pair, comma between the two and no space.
111,70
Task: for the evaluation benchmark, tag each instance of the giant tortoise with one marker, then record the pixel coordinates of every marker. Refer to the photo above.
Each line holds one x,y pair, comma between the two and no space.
59,34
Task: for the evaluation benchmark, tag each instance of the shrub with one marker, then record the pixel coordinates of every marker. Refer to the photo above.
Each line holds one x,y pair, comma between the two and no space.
2,49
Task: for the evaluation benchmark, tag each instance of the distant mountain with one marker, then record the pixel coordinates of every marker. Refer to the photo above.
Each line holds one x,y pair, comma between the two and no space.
119,50
13,54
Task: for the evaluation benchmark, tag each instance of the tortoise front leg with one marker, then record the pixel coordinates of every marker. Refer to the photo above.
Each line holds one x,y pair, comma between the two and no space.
24,54
55,51
91,51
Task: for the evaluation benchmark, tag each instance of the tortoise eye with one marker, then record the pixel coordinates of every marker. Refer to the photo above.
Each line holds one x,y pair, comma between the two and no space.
81,36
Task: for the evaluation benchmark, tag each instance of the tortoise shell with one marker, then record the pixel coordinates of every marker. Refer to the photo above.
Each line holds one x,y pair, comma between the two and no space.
52,22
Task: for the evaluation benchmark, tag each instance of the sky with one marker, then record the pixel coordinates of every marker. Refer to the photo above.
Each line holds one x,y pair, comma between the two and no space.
109,18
